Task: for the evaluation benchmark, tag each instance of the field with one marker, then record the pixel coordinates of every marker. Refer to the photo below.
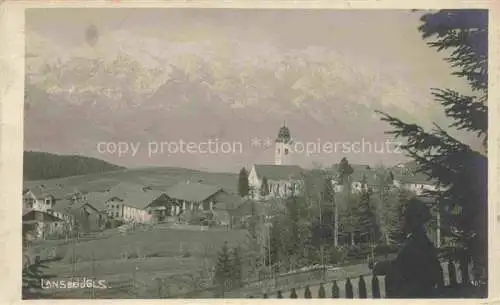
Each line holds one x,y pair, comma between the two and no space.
176,254
158,177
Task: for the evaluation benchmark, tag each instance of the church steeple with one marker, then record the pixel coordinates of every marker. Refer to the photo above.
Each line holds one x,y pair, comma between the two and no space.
283,141
283,134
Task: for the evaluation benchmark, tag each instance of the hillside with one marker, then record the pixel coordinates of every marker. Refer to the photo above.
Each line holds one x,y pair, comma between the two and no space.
41,165
158,178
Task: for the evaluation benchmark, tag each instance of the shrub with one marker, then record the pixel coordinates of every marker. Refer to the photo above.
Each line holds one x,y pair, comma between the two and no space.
337,255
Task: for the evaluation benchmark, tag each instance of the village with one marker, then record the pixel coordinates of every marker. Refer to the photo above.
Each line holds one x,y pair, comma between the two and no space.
54,211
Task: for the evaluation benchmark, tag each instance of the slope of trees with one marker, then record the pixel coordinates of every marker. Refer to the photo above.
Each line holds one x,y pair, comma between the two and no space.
460,170
41,165
243,188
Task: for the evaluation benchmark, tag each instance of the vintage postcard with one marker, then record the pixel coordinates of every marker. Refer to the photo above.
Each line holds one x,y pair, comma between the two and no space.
218,151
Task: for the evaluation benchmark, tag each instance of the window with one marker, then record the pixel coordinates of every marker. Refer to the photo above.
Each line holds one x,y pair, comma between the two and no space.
29,202
117,214
286,151
278,150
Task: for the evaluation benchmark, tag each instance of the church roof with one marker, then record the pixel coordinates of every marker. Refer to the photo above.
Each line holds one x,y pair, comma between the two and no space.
278,172
283,135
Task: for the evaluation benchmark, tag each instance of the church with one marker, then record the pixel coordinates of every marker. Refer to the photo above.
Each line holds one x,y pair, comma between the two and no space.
278,180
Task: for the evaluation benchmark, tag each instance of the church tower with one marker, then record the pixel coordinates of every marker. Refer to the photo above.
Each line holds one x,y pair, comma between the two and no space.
282,150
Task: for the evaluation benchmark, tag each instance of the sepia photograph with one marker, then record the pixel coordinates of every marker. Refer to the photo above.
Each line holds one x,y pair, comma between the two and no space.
230,153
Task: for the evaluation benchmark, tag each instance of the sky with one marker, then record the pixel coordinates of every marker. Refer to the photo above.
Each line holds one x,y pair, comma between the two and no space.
374,59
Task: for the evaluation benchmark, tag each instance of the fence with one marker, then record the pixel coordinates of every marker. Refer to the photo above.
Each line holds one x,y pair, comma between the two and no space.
455,283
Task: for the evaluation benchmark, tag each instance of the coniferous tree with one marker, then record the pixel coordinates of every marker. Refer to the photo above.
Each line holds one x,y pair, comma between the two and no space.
367,224
395,208
276,245
345,172
346,215
294,209
243,187
236,268
382,200
223,269
458,168
264,187
328,197
254,244
349,217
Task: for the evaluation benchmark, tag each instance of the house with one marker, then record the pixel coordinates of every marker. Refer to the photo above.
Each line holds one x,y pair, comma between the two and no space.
363,177
97,200
407,176
43,198
162,209
38,199
226,210
129,202
84,215
282,180
41,224
193,195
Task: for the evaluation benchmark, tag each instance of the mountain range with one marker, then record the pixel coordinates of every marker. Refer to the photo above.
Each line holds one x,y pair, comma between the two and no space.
75,101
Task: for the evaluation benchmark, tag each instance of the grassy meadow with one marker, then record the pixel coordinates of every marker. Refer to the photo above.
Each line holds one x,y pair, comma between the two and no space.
179,255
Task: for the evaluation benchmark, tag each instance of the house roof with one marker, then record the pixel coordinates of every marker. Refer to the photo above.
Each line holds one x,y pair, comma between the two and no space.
408,173
192,191
132,194
97,200
30,216
278,172
359,171
66,206
58,191
417,178
161,200
123,189
141,199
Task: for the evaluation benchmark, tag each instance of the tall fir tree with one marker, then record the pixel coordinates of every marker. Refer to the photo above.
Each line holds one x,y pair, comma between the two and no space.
236,268
382,202
243,187
255,246
223,270
345,172
264,187
328,197
346,217
367,223
460,170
